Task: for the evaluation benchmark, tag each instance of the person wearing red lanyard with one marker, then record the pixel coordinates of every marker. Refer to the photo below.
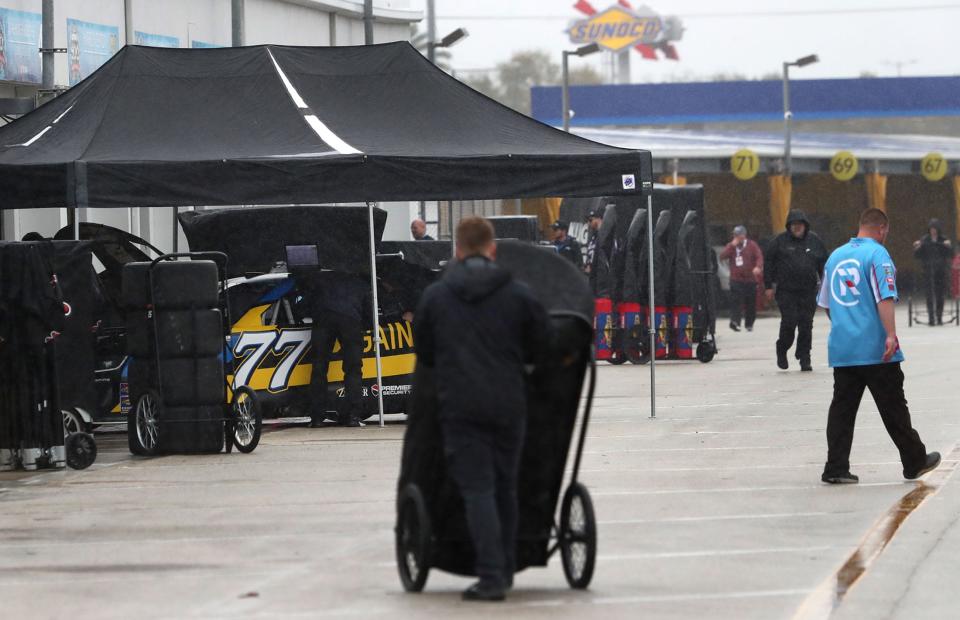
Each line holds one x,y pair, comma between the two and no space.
746,264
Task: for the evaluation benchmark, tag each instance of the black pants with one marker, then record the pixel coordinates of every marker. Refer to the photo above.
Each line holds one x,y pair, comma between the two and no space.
743,300
484,461
796,314
936,286
327,328
885,382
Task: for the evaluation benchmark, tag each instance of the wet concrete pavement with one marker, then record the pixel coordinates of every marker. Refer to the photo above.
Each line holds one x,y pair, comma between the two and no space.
713,509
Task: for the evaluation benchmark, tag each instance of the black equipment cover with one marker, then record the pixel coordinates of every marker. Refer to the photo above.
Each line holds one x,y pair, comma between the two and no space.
553,399
522,227
256,239
602,276
636,270
577,209
83,303
181,127
429,254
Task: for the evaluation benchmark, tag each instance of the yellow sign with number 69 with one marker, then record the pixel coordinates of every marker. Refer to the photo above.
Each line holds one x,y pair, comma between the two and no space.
745,164
933,167
844,166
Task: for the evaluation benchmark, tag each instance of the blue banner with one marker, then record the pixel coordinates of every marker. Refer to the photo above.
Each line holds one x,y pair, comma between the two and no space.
20,46
203,44
89,46
154,40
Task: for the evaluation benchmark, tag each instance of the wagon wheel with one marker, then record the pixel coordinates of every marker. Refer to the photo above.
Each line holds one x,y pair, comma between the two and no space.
578,536
706,351
81,450
246,420
413,539
617,357
143,425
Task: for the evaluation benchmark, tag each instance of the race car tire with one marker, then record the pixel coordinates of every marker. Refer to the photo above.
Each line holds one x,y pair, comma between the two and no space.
246,420
177,285
192,430
143,425
193,382
578,536
413,539
81,450
182,333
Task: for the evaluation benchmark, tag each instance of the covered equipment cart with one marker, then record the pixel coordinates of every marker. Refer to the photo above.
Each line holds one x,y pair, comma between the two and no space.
431,530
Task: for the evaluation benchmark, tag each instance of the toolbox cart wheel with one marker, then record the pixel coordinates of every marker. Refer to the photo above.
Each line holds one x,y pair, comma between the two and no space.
578,536
81,450
413,539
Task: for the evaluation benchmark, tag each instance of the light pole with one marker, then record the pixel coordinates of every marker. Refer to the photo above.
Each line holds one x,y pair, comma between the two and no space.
585,50
787,114
448,41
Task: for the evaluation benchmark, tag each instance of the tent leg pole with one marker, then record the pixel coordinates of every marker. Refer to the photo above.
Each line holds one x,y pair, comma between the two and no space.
74,223
376,315
651,304
175,240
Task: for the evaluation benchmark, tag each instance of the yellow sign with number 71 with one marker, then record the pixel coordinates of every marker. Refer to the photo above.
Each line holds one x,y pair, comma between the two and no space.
745,164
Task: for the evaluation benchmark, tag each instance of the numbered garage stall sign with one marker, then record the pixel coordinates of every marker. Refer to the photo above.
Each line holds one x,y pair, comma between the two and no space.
933,167
844,166
745,164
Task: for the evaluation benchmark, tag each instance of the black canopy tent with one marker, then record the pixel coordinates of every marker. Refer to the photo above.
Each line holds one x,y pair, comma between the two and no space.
273,125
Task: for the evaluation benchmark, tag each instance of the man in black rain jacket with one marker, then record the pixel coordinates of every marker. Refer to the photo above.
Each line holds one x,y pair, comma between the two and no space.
794,263
478,328
934,251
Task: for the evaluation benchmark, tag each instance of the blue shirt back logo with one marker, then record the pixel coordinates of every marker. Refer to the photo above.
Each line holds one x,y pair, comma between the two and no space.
858,276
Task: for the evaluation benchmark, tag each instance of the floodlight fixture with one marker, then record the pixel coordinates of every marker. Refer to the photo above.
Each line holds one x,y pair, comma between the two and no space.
453,38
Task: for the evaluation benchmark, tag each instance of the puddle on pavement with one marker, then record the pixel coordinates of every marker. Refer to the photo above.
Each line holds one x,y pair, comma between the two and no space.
821,604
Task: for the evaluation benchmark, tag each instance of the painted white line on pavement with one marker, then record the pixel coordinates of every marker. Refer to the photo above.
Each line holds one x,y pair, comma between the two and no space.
807,487
666,598
719,468
655,555
773,515
722,448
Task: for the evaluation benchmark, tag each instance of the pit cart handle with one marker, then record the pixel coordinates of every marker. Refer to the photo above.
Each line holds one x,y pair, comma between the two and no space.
218,257
586,420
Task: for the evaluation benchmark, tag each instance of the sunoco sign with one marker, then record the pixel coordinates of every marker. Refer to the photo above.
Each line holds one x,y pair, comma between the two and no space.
618,28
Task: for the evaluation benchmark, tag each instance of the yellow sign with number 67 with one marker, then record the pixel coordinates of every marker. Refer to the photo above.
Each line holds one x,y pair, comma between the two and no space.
933,167
844,166
745,164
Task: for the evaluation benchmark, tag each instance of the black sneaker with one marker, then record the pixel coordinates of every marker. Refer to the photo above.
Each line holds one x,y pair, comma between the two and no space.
749,328
734,326
933,459
352,423
805,364
484,590
844,478
782,362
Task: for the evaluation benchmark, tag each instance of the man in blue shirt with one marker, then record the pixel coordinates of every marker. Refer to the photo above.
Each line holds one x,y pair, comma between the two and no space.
859,291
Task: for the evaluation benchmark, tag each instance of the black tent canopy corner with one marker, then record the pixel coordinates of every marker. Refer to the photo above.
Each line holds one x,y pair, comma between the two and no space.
292,125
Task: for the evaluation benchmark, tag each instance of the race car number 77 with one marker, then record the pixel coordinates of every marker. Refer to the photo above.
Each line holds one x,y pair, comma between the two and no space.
293,341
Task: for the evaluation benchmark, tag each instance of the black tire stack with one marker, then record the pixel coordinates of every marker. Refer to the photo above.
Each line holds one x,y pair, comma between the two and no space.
175,341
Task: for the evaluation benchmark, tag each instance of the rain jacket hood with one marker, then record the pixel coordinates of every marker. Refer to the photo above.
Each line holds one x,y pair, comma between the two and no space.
475,278
796,215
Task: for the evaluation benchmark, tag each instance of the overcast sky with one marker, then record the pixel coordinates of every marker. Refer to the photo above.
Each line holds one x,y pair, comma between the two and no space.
744,36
